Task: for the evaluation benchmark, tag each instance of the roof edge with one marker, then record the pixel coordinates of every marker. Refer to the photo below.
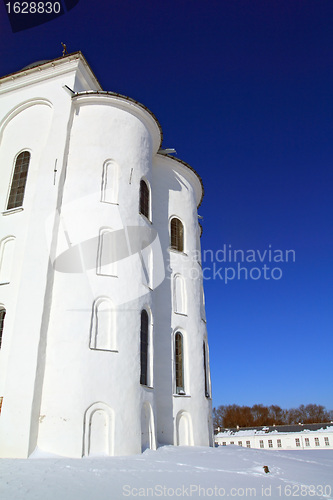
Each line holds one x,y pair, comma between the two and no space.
49,63
190,168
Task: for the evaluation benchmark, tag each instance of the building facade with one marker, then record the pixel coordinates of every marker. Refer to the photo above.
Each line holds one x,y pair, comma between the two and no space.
103,332
280,437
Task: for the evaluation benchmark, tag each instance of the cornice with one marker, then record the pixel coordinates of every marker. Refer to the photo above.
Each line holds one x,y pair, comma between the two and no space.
45,70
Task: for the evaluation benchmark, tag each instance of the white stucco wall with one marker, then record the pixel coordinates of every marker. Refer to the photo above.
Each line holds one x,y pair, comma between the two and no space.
62,389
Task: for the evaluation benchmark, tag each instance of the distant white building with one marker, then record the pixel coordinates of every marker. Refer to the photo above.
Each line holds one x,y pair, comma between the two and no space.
102,323
280,437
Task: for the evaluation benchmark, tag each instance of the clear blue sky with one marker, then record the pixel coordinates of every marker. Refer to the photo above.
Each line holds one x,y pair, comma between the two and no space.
243,91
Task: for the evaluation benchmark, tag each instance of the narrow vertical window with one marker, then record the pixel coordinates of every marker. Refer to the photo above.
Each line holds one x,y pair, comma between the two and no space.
144,199
179,295
177,235
6,259
144,348
103,330
109,188
205,370
2,321
19,180
179,363
107,253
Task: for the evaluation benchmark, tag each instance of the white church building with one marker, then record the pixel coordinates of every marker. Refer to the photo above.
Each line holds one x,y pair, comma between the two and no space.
102,323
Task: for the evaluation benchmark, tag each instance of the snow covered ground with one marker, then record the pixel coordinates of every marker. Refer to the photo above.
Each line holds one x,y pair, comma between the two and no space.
172,472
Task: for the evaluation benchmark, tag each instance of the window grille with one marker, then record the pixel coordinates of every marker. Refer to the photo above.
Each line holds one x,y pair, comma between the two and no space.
179,363
2,321
270,443
327,443
248,444
144,348
205,370
19,180
144,199
177,235
261,442
279,443
307,441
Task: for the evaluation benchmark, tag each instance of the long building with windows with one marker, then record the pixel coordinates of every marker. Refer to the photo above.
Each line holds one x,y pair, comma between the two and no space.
102,320
279,437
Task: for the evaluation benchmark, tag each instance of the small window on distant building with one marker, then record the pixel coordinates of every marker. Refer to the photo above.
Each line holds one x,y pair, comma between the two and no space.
327,443
177,234
232,442
307,441
278,442
144,198
19,180
224,443
261,443
317,442
297,441
248,444
2,321
240,443
270,443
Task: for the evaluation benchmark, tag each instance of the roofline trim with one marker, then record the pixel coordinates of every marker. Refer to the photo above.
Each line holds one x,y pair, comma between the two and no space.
190,168
50,63
123,98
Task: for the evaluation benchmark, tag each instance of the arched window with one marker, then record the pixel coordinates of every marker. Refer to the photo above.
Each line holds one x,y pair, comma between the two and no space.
205,370
177,234
6,259
107,253
144,198
179,295
2,321
109,188
102,332
179,363
19,180
144,348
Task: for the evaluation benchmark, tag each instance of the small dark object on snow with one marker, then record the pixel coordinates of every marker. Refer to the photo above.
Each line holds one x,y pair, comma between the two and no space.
266,469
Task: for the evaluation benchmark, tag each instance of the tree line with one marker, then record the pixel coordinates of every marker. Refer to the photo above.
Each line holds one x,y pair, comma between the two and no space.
258,415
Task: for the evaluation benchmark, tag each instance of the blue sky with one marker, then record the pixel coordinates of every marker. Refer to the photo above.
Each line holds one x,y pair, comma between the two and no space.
243,91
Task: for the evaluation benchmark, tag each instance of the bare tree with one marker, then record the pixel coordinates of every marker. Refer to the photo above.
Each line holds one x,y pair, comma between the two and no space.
259,415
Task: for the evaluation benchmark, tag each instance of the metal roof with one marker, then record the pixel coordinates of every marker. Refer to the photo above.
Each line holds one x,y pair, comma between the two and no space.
279,428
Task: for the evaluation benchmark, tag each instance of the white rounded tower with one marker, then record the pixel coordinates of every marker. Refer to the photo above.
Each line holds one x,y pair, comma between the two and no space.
104,346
